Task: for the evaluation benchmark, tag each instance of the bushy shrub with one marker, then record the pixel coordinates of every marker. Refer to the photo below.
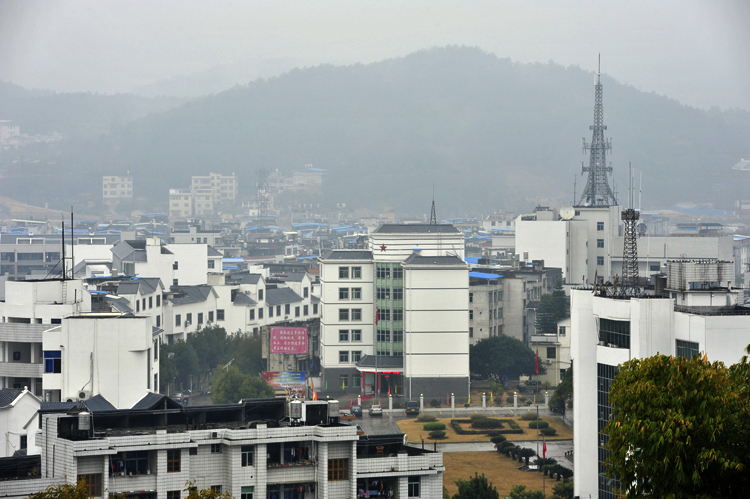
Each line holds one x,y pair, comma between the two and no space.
434,402
498,439
436,435
529,416
486,423
548,431
476,416
426,418
433,426
538,424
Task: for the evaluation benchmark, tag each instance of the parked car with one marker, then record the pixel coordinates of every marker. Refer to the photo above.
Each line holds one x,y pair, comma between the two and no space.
357,411
376,410
412,408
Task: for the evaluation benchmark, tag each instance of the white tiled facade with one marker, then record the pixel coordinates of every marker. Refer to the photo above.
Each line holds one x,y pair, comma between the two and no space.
117,188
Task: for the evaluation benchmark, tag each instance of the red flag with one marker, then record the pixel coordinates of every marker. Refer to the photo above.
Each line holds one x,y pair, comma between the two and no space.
377,315
537,361
544,448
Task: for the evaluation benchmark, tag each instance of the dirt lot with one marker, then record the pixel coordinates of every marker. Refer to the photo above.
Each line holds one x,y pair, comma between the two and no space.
500,470
414,432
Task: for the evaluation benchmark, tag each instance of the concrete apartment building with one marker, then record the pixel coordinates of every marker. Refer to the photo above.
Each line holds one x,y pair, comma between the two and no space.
694,312
116,188
19,421
248,450
205,195
554,352
378,332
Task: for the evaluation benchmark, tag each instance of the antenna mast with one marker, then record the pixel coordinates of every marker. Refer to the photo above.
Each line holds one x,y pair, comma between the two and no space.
433,215
597,191
630,277
262,195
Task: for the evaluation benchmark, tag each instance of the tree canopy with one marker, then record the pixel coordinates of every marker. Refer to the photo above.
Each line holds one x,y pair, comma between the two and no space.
502,357
681,428
477,487
231,385
563,392
520,492
552,309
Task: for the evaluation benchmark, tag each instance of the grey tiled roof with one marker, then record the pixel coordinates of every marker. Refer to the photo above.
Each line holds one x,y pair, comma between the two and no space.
250,279
348,255
96,403
8,395
156,400
99,403
415,259
147,285
416,229
243,299
214,252
192,294
121,304
280,296
296,277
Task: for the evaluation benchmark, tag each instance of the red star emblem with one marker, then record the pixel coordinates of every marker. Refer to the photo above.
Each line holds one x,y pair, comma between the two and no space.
383,247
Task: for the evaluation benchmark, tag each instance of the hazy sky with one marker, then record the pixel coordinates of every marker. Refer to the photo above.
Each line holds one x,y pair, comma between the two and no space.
695,51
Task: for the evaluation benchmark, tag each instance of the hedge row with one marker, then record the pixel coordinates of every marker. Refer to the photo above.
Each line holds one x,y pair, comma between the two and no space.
433,426
538,424
456,425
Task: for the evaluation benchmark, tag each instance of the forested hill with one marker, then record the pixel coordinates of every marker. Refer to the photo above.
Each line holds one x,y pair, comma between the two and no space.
489,133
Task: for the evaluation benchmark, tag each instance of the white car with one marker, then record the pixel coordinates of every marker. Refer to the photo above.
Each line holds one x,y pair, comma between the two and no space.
376,410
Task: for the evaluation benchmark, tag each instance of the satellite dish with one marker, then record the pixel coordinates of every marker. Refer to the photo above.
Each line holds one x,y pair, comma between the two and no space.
642,228
567,212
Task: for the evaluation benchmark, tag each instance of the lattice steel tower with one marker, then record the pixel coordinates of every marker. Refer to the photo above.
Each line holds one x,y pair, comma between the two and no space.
630,285
597,191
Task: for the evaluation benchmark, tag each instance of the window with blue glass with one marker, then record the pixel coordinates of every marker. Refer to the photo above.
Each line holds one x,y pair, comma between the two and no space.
52,361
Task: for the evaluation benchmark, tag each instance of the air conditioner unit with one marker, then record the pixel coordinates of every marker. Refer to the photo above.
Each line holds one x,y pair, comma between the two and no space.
187,323
214,434
84,395
549,362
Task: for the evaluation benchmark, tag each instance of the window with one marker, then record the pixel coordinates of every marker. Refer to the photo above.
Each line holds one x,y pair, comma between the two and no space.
599,225
384,315
315,308
471,332
200,317
211,316
278,310
356,293
343,293
137,305
158,300
413,487
216,488
356,335
296,311
471,315
177,320
173,494
654,267
614,333
600,243
338,469
600,260
306,310
247,455
398,272
356,272
93,484
188,319
260,294
175,282
150,302
687,349
344,381
270,311
383,272
343,272
356,355
398,314
551,352
193,451
260,313
343,314
561,330
383,294
220,315
356,314
252,314
471,297
215,448
210,264
343,335
173,460
176,266
343,356
356,382
156,350
398,294
53,361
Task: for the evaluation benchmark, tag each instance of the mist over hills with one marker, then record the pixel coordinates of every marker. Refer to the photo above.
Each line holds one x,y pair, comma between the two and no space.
489,133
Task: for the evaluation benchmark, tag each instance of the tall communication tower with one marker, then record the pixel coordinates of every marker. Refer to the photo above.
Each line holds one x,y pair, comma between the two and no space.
262,196
597,191
630,284
433,214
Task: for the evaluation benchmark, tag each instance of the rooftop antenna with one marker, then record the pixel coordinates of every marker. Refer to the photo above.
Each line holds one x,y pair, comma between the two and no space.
433,215
575,180
630,277
63,250
640,189
597,191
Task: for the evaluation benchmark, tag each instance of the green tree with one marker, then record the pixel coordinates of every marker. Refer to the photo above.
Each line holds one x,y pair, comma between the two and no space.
213,346
193,492
680,428
563,490
563,392
553,308
248,354
477,487
63,491
502,357
520,492
526,453
230,385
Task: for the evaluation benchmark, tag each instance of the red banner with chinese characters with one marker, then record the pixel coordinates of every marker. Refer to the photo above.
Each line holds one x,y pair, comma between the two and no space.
292,340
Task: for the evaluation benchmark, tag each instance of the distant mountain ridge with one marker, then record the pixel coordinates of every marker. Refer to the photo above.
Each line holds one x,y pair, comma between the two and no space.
489,133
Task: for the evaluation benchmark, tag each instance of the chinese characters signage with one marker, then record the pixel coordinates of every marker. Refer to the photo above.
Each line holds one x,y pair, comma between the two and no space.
286,379
289,340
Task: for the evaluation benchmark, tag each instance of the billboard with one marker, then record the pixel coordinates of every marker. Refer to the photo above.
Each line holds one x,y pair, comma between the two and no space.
292,340
292,381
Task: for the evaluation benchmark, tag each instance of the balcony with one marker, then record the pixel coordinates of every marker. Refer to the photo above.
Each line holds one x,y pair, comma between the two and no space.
296,473
23,333
21,369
